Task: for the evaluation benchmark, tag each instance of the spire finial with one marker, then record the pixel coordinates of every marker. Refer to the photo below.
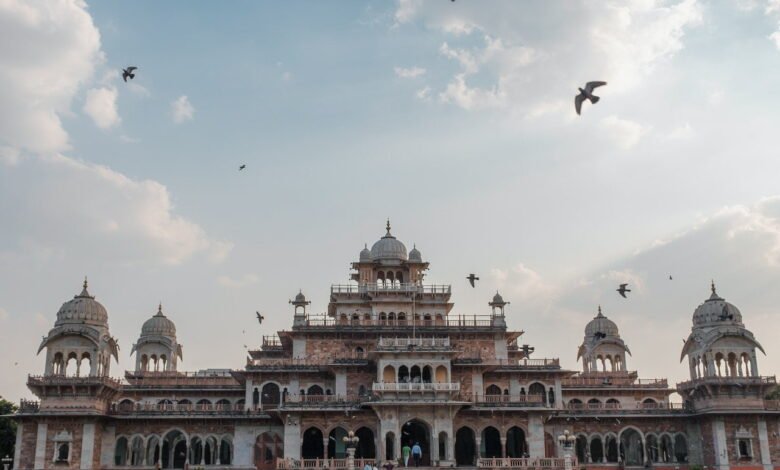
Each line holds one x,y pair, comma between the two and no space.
712,286
84,291
600,314
85,282
388,226
159,308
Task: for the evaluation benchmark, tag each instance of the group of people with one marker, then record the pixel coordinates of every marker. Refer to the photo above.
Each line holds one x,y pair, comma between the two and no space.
415,452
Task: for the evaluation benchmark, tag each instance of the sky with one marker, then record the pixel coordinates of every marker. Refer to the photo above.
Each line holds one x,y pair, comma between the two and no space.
455,120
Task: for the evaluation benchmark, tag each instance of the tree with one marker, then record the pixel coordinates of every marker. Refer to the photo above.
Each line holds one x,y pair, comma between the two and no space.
7,428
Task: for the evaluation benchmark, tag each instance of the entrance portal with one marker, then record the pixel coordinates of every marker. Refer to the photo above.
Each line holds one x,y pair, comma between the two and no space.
415,432
465,447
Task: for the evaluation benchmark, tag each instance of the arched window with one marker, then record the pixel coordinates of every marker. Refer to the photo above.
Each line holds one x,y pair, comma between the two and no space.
681,448
315,390
596,450
490,446
120,452
271,395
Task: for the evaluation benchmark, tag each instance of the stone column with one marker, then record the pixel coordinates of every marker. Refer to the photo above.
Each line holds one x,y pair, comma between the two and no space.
478,441
87,446
719,444
503,447
535,436
434,447
18,446
325,447
40,445
219,450
763,444
292,438
248,396
753,365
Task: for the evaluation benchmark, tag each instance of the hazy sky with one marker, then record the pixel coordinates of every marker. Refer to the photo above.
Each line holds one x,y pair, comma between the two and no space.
453,119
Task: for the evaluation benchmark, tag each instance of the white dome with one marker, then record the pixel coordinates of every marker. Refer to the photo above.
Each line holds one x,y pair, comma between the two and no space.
601,324
415,255
388,248
716,310
365,255
158,325
82,309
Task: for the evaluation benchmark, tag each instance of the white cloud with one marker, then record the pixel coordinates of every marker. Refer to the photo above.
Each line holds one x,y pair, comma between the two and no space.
524,285
110,216
48,50
682,132
623,132
526,51
182,110
411,72
424,94
100,105
244,281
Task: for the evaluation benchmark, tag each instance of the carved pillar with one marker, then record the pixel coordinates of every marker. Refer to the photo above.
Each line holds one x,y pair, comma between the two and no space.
503,447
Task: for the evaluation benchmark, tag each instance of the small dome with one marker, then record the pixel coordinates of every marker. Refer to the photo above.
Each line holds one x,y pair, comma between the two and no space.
415,255
365,254
716,310
158,325
299,297
497,299
82,309
603,325
388,247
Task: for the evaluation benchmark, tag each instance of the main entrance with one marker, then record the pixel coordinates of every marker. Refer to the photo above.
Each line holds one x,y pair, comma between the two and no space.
416,432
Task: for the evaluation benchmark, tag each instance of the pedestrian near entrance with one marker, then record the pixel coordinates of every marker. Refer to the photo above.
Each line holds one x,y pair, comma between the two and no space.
417,454
406,451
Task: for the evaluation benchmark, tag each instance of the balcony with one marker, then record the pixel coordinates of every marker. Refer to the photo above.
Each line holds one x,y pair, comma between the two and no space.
144,409
166,380
271,343
28,406
406,288
527,463
613,382
509,364
404,387
323,401
738,381
448,323
68,381
285,364
406,343
489,401
619,408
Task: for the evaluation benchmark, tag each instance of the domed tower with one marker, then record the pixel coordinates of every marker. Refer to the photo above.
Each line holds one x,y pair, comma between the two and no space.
78,358
80,344
721,357
157,349
387,264
602,349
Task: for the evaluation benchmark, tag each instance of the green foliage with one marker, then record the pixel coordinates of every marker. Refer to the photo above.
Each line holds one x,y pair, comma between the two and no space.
7,428
774,394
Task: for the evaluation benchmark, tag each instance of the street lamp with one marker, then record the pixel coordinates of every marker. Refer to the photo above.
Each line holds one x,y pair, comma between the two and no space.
351,441
566,440
6,462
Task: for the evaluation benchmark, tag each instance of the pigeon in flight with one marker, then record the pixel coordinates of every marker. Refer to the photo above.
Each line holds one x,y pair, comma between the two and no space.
670,277
128,73
622,290
472,277
242,167
260,318
587,94
600,335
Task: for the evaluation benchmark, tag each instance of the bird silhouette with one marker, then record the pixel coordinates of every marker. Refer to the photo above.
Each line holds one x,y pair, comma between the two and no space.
472,277
600,335
622,290
128,73
260,318
587,94
242,167
670,277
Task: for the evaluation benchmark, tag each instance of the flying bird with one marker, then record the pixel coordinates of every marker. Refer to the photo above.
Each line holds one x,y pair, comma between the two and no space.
600,335
622,290
587,94
472,277
128,73
260,318
242,167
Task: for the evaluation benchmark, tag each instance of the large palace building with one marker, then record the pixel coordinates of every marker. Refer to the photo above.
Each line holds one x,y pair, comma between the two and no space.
390,362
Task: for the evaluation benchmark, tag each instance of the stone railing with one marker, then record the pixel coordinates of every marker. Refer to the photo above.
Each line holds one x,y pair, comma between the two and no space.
390,288
72,381
762,380
177,408
621,408
405,343
443,323
529,463
330,464
541,363
322,401
507,400
616,382
29,406
415,387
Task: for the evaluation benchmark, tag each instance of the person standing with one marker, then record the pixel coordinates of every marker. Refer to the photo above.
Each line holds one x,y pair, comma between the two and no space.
406,451
417,454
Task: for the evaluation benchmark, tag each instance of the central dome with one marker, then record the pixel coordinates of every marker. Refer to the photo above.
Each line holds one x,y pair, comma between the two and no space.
601,324
82,309
388,248
716,310
158,325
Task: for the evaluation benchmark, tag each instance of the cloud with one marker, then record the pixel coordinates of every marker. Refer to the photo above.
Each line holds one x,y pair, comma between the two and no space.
524,285
9,155
424,94
412,72
110,216
182,110
682,132
100,105
244,281
48,50
524,58
623,132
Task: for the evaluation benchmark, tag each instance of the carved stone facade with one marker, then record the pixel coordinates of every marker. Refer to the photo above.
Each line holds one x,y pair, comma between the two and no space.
392,363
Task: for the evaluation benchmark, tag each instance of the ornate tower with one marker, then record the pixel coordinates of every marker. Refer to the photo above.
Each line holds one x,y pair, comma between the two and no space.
299,304
602,349
722,359
75,382
157,349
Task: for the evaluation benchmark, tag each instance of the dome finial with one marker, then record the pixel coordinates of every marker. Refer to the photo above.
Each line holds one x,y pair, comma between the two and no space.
712,286
388,226
84,291
159,309
600,314
85,283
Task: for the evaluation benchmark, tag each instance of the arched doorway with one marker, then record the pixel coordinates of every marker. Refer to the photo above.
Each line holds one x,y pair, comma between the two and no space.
336,446
366,448
174,451
631,448
268,448
415,431
312,447
490,445
271,395
390,446
465,447
515,442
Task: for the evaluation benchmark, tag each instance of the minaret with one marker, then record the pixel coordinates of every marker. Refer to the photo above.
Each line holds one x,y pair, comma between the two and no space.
299,303
603,350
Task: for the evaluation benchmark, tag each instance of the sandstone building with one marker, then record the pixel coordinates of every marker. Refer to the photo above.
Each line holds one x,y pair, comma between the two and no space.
391,362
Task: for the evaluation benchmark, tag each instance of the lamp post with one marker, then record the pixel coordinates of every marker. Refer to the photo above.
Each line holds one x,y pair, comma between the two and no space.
6,462
351,441
566,440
